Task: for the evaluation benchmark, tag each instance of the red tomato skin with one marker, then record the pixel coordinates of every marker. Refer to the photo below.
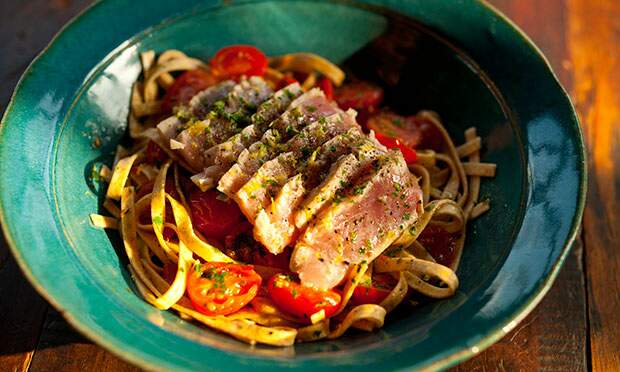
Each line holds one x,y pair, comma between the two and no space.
368,295
440,244
280,261
238,278
301,301
238,229
285,81
374,293
327,87
213,217
236,60
185,87
394,143
359,95
154,154
169,272
430,136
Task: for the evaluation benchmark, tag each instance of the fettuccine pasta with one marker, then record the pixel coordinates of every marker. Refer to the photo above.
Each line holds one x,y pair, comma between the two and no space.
238,201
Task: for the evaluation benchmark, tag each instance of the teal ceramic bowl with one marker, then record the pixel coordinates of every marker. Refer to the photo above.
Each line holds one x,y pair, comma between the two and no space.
459,58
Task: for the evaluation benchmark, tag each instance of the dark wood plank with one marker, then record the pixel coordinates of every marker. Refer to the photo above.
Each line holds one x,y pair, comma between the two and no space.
27,27
594,41
21,315
554,335
62,349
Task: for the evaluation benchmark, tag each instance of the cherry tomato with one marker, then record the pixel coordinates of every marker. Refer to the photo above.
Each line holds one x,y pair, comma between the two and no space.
236,60
280,261
185,87
285,81
169,272
375,292
430,136
359,95
218,288
440,244
154,154
395,143
300,301
396,126
326,86
238,229
213,217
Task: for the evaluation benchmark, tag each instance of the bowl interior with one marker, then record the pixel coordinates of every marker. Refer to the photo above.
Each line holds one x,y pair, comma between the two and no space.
419,69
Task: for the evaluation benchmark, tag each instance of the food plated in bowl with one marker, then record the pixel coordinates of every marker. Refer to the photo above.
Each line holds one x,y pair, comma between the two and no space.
286,218
439,60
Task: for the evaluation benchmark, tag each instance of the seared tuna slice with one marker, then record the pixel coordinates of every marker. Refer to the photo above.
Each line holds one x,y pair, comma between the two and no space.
219,158
275,227
274,173
258,192
323,189
365,217
226,118
200,105
306,109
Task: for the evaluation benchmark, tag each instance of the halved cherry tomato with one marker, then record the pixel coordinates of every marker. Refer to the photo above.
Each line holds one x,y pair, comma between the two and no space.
218,288
395,143
439,243
327,87
236,60
430,137
396,126
300,301
359,95
154,154
375,292
213,216
185,87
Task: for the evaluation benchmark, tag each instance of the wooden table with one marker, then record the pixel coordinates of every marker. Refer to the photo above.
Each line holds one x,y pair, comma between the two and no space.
575,327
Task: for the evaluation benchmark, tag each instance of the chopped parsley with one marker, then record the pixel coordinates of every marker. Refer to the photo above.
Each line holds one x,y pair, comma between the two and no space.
270,182
305,151
359,190
216,276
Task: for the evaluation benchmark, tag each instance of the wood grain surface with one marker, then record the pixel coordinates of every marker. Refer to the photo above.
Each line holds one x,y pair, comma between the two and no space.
577,325
594,41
